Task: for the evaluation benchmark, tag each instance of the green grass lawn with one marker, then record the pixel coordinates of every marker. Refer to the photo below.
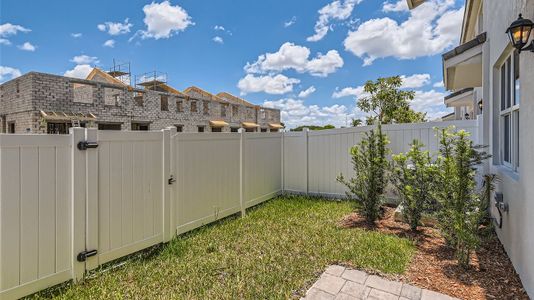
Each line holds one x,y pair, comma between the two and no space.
278,249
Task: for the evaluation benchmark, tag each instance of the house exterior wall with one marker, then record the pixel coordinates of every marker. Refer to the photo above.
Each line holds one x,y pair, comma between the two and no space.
516,234
112,103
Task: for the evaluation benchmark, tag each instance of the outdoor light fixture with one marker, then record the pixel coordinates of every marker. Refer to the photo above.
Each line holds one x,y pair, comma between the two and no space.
480,105
466,116
519,33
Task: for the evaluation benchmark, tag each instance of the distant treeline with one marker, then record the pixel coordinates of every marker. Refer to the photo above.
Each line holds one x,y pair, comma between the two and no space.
313,127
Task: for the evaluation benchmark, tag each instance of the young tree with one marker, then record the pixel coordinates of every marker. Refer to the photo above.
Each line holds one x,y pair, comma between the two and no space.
369,181
413,176
388,102
356,122
460,204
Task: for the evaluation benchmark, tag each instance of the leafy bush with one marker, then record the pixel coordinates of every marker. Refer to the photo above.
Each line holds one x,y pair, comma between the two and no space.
461,205
370,165
413,175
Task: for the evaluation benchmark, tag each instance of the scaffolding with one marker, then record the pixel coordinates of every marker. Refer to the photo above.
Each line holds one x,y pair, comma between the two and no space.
154,80
121,71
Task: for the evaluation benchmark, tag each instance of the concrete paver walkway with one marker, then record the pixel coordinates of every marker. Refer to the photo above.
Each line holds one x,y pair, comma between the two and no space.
340,283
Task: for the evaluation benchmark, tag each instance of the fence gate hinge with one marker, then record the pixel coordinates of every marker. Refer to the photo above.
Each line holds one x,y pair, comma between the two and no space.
84,145
172,179
82,256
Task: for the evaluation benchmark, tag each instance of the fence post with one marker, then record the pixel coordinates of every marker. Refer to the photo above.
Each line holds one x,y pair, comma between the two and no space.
282,175
241,170
306,167
78,194
167,185
91,196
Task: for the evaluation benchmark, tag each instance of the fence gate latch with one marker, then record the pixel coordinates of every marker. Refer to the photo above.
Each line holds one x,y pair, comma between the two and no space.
82,256
84,145
172,180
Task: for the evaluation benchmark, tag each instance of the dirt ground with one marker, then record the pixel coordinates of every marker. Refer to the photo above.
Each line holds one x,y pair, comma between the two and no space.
489,276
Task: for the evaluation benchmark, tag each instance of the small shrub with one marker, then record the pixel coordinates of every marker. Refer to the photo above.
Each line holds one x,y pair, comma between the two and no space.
369,181
413,176
461,207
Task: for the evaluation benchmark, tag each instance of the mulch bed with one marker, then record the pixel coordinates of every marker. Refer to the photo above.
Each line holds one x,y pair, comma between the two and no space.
489,276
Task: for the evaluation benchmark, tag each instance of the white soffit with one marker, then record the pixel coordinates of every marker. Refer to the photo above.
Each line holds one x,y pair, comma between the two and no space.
462,66
461,98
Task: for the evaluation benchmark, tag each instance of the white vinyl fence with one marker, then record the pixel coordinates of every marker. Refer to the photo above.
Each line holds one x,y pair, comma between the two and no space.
67,206
313,159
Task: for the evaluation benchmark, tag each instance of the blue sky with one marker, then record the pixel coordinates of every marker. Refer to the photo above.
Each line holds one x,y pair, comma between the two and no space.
308,58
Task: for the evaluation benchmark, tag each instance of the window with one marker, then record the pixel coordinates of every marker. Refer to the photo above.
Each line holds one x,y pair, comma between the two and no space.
262,113
509,115
179,106
200,128
11,127
164,102
83,93
193,106
179,128
216,129
206,107
264,130
235,111
111,96
234,129
223,110
109,126
137,126
138,98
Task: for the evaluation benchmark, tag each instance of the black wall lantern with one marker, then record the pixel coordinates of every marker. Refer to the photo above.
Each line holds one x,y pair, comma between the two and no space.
519,33
480,105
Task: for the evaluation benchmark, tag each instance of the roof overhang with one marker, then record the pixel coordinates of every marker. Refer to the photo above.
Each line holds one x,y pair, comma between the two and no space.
66,116
275,126
414,3
460,98
250,125
462,66
449,117
218,124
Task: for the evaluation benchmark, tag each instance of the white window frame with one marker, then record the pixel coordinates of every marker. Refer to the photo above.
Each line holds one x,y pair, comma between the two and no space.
511,111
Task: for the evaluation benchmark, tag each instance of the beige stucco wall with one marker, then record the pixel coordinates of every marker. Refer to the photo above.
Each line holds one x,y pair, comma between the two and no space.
517,234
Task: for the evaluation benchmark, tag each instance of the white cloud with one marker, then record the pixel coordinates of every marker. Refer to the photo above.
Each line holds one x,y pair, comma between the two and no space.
218,40
76,35
8,29
430,102
27,46
8,73
163,20
307,92
295,112
408,82
79,71
290,22
109,43
115,28
291,56
84,59
415,81
439,84
335,10
400,5
219,27
276,85
430,29
357,92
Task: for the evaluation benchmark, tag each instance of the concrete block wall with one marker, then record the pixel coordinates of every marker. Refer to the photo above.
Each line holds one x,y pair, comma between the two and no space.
111,103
